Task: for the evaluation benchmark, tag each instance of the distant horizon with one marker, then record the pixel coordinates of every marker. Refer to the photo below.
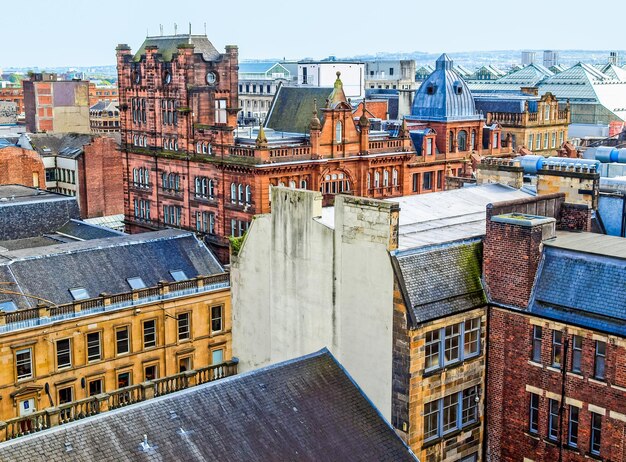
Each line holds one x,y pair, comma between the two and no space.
370,56
68,31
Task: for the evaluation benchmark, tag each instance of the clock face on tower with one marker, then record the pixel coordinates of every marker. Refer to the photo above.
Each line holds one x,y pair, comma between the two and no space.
211,78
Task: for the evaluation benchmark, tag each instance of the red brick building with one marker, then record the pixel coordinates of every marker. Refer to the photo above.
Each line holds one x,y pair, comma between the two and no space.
21,166
556,377
14,94
187,166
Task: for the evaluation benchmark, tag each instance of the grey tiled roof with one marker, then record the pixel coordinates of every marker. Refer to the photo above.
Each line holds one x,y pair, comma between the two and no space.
85,231
441,280
306,409
582,288
168,46
292,108
104,265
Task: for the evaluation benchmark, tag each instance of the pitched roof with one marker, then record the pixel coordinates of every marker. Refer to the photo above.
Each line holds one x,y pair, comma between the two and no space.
63,144
104,265
441,280
168,46
581,280
307,409
292,108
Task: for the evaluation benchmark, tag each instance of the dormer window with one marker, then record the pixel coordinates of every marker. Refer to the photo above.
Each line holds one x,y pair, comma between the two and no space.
431,89
178,275
79,293
458,88
136,283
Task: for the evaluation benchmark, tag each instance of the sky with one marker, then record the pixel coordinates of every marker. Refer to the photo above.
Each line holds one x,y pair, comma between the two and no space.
85,33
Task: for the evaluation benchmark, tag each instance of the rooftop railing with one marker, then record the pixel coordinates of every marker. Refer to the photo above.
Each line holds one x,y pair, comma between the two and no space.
87,407
40,315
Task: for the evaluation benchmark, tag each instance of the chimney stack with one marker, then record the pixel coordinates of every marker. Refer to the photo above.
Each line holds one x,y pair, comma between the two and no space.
511,255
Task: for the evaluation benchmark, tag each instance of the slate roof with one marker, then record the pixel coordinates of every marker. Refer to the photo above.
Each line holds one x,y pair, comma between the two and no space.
63,144
86,231
307,409
104,265
444,96
168,46
441,280
581,280
292,108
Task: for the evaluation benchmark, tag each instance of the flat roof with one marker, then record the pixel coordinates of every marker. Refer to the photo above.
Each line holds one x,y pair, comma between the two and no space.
445,216
597,244
12,193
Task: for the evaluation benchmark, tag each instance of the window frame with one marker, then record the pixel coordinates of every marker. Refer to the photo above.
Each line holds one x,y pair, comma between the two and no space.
553,419
595,434
65,352
450,408
220,318
573,422
440,352
184,315
599,361
536,344
119,329
577,353
154,341
557,349
17,362
533,414
88,346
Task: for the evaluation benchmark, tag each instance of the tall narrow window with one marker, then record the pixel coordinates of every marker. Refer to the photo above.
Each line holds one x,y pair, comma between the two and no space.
249,194
338,132
533,424
121,340
462,140
553,420
600,360
94,346
233,193
452,343
431,420
427,181
472,337
376,179
220,111
432,349
577,349
149,333
469,410
240,193
64,353
537,334
216,319
450,412
385,178
23,363
557,348
394,177
572,438
473,140
183,326
596,433
429,146
416,177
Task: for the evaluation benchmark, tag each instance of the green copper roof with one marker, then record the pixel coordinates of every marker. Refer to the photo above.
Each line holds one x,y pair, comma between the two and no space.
168,45
292,108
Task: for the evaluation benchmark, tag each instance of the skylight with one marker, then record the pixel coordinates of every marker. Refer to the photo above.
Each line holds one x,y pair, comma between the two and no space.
179,275
8,306
136,283
79,293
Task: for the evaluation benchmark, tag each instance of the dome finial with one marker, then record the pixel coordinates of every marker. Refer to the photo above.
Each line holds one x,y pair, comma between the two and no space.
364,121
315,123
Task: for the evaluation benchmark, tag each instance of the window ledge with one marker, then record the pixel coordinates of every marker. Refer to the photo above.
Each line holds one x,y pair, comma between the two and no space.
534,436
597,382
577,375
450,366
535,364
554,369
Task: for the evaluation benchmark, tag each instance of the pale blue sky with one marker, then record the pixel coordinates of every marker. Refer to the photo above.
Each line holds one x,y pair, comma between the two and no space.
85,33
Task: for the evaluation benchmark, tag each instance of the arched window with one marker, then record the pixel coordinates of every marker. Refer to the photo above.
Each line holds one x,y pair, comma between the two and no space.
496,139
204,187
338,132
203,148
451,141
394,177
240,193
198,187
249,194
145,141
302,184
369,181
473,140
385,178
164,183
233,193
135,176
376,180
177,182
211,189
462,140
135,140
146,175
176,145
198,148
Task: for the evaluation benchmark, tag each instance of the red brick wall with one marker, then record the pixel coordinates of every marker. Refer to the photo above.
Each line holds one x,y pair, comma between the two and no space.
575,217
512,377
20,166
511,257
100,179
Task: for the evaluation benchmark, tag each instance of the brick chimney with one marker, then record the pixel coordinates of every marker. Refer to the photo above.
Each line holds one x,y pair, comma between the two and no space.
511,255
